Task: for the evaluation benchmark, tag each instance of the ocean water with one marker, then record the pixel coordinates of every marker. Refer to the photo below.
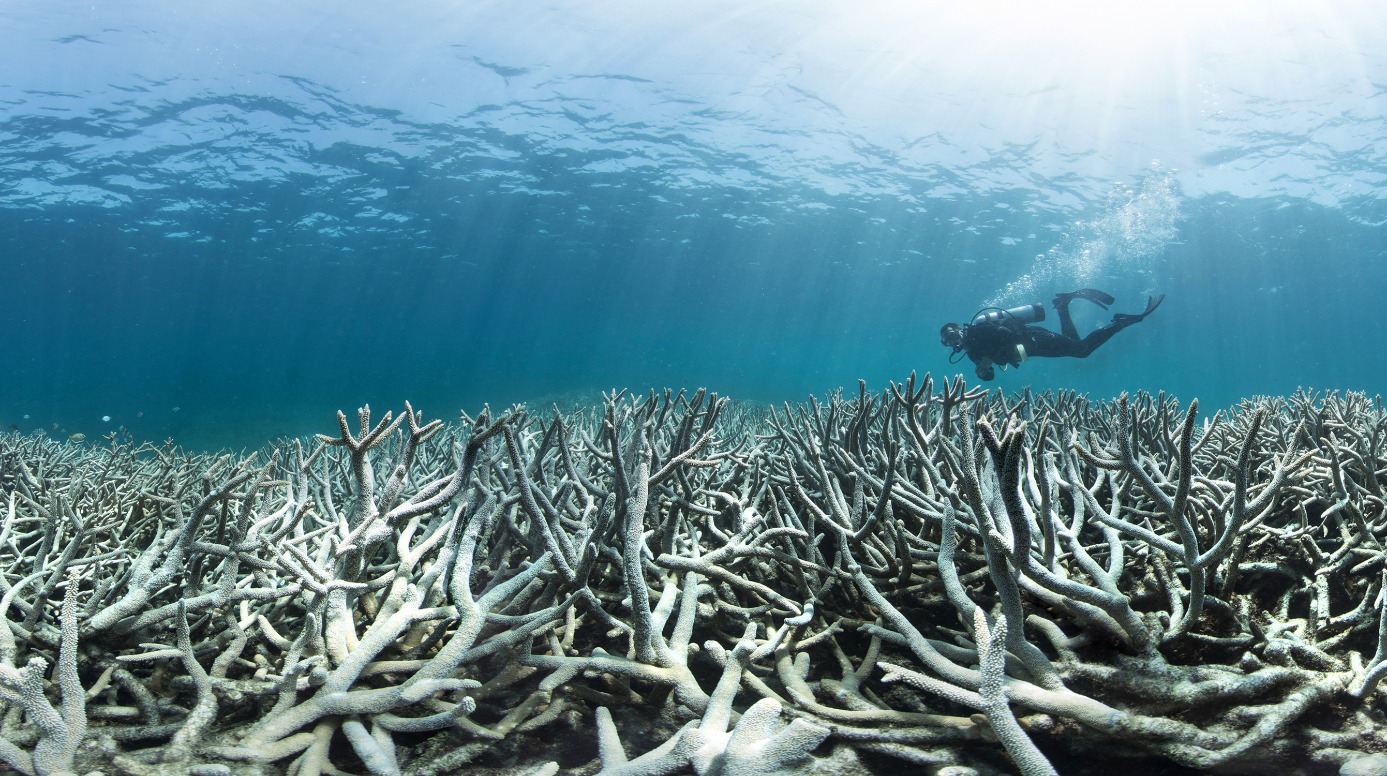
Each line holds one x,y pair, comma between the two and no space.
221,222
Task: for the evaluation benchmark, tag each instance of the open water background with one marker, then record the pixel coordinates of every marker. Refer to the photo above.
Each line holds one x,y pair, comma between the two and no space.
221,222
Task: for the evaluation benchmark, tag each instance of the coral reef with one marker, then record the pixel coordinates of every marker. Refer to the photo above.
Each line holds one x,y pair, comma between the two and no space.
955,581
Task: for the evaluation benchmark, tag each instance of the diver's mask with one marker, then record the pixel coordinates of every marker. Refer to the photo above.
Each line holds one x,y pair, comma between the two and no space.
951,336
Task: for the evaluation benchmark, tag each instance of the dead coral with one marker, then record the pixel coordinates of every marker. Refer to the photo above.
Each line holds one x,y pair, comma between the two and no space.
672,583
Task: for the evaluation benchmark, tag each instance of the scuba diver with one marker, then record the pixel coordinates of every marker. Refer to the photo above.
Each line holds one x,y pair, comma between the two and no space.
997,336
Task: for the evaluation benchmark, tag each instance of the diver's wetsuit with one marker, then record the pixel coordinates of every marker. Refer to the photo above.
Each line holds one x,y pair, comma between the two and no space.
995,342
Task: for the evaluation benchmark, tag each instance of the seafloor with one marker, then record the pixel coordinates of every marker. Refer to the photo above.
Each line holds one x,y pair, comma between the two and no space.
925,579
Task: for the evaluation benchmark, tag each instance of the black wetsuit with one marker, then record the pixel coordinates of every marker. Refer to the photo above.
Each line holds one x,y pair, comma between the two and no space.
994,342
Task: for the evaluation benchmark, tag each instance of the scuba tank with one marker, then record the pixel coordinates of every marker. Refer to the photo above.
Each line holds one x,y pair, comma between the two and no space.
1026,313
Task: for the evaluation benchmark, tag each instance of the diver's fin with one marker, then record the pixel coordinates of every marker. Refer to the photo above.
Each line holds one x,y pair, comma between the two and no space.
1152,302
1091,294
1100,298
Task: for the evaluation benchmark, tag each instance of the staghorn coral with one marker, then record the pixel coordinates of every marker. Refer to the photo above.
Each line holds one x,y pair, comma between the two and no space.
954,579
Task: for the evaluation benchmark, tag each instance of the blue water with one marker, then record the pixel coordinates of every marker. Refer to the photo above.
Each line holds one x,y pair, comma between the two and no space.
220,222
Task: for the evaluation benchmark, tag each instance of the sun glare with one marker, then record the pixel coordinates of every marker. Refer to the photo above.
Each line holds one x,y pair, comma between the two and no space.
1117,78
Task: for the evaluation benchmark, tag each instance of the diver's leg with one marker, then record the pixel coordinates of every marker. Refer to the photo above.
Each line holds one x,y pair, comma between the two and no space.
1047,344
1098,337
1120,321
1067,327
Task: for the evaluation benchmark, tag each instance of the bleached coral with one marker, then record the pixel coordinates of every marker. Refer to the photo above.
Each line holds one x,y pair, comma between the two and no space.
951,579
